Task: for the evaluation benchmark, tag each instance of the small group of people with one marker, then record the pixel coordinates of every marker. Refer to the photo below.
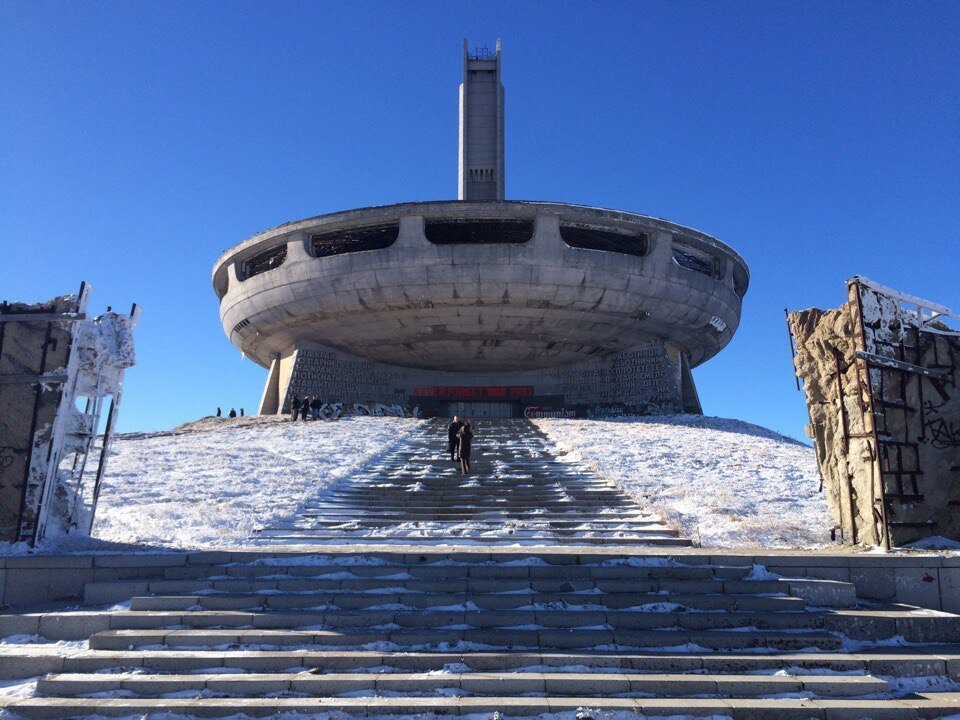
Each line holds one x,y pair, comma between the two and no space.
306,406
459,441
233,413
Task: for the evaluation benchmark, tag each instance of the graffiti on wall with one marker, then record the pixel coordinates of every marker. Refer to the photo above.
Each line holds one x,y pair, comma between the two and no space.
538,411
330,411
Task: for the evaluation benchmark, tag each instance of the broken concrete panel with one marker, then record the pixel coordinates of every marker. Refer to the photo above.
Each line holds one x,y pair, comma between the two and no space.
881,385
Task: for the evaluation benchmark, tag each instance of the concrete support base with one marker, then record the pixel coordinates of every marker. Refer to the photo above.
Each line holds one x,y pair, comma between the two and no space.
650,379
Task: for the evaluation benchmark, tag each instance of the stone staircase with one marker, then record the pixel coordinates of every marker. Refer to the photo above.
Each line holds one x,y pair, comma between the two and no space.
407,630
519,492
387,601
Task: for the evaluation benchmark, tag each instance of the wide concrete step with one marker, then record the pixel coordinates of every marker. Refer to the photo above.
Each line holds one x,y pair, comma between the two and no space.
414,503
505,571
529,524
489,601
467,639
342,515
451,527
919,706
386,496
870,625
446,585
557,684
926,661
654,541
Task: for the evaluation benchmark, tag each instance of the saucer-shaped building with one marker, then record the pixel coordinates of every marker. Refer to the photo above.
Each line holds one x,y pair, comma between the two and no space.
481,306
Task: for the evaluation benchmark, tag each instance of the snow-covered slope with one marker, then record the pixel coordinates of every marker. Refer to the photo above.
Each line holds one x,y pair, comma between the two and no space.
213,482
726,483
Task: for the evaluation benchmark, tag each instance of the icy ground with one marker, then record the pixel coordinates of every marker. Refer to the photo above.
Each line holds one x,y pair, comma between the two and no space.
213,482
725,483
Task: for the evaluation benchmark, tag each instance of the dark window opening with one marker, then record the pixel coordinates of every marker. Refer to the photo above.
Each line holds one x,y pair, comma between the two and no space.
351,240
267,260
589,238
692,262
477,232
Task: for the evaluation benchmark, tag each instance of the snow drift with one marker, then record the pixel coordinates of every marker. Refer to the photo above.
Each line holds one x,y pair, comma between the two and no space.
213,482
725,483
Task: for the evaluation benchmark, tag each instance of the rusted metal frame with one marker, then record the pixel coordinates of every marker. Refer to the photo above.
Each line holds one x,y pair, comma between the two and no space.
865,384
893,364
903,378
84,454
101,467
838,361
76,455
922,411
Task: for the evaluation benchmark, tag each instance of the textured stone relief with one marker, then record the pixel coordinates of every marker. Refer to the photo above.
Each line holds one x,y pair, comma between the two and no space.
880,375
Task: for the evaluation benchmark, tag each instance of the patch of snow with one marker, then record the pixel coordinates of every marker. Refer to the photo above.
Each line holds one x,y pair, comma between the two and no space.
759,572
923,684
935,542
214,484
725,483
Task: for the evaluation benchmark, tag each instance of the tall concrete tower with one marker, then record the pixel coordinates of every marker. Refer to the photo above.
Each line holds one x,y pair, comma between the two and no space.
481,126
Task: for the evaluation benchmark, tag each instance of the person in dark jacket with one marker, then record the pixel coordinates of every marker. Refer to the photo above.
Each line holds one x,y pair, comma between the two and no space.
233,413
294,408
315,406
304,408
241,412
452,441
465,438
219,412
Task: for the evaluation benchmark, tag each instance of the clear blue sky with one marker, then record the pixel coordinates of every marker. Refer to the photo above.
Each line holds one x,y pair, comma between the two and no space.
138,140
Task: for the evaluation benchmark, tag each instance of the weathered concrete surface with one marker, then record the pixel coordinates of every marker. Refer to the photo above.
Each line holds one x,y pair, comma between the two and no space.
887,442
26,349
926,580
481,163
480,309
460,630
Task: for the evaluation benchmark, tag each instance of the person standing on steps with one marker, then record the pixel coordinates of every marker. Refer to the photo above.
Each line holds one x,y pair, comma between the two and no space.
295,408
465,438
452,441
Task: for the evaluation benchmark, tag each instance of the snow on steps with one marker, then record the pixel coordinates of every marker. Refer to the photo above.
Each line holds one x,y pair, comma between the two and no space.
424,629
519,492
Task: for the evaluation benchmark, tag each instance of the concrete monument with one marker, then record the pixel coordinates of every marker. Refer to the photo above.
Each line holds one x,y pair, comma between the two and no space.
482,305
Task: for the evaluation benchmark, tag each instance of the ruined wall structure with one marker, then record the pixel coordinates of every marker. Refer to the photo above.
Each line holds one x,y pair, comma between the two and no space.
57,367
880,374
